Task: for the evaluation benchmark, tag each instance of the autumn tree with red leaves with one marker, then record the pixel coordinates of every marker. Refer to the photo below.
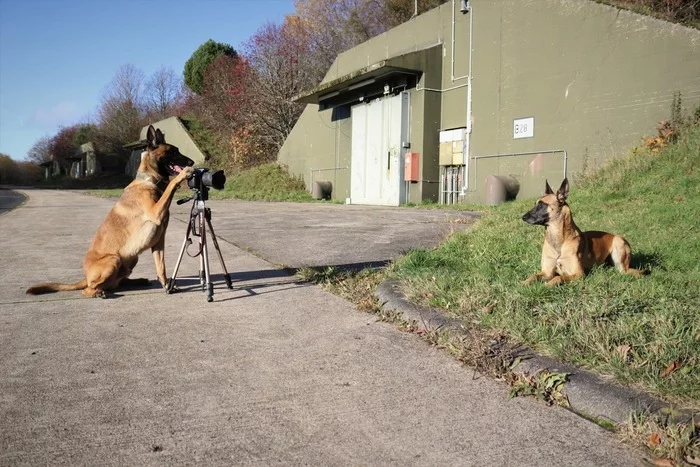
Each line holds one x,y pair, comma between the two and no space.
226,93
62,145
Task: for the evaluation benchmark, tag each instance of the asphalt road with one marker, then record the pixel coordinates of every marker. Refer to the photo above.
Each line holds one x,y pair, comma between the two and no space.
10,199
274,371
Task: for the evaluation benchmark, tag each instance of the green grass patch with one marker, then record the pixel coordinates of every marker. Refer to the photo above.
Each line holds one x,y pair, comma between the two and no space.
634,329
206,139
267,182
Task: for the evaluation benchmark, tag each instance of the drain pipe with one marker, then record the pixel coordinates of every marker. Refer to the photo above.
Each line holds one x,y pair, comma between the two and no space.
468,132
452,65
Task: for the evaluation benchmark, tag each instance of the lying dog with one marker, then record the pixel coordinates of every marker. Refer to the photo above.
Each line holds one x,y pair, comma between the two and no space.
137,222
569,253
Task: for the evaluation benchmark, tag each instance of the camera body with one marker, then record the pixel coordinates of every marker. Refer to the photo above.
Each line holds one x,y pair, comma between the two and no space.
202,179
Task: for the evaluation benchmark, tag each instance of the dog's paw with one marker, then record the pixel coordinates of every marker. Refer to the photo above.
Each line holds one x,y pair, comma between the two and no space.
553,282
185,173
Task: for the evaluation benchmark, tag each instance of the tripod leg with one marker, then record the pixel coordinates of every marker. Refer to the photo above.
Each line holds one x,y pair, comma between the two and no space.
205,259
227,276
171,281
200,220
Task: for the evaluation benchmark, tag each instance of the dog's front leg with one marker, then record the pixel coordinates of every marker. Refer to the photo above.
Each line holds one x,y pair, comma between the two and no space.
569,268
547,270
533,278
557,280
159,210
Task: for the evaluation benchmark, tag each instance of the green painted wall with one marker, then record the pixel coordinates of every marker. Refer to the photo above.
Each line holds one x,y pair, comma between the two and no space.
596,80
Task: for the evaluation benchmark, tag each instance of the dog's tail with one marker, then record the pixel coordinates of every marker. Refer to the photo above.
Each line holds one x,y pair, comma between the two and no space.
637,272
50,287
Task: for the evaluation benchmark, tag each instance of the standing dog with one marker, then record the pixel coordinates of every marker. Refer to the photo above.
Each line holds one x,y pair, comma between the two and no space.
137,222
569,253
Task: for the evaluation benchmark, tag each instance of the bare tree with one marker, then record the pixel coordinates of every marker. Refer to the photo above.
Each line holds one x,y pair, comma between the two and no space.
163,93
126,85
334,26
121,112
278,57
41,150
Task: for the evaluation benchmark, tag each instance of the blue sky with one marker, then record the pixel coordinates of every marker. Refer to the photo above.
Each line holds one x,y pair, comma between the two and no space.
57,56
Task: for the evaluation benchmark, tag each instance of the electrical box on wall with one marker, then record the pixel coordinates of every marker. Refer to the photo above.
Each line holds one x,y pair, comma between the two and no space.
452,147
411,167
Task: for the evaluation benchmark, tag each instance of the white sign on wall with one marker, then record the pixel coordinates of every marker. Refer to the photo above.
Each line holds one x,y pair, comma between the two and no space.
524,127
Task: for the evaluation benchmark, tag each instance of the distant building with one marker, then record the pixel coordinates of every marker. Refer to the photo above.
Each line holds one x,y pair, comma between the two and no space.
84,162
51,168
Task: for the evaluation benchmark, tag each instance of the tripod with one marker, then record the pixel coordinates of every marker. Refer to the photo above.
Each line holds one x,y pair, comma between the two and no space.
200,220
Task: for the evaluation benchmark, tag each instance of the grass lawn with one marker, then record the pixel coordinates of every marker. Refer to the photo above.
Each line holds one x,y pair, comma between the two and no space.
645,332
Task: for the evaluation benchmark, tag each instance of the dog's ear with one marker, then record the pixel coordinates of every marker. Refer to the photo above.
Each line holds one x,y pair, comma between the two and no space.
547,188
151,137
563,191
160,137
154,137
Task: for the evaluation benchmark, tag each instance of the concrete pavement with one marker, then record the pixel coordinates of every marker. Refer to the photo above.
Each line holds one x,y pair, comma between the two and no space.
274,371
296,235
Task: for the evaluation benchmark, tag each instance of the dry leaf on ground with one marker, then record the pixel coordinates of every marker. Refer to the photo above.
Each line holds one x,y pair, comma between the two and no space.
672,367
664,463
623,351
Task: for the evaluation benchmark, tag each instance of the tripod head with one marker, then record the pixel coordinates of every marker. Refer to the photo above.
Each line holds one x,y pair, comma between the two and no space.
197,195
201,180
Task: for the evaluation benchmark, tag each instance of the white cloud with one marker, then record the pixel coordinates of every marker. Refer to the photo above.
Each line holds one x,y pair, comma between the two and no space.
63,113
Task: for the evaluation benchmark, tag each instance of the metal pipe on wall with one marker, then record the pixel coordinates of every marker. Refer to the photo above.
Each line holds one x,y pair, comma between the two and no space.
468,131
312,170
528,153
452,66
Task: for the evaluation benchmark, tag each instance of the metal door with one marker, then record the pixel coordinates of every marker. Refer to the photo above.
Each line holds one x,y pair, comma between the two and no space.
379,129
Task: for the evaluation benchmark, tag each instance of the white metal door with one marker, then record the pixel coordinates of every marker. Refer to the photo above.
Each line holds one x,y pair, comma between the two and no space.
378,130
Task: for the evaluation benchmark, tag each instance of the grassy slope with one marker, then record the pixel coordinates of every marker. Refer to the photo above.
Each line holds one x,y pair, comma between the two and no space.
654,201
268,182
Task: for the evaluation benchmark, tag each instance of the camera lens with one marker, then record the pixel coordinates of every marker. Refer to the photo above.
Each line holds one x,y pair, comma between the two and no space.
215,180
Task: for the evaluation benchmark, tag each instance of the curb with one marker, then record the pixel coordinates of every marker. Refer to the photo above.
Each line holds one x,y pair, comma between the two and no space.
589,394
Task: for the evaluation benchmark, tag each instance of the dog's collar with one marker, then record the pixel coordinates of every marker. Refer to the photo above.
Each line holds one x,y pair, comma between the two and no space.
157,181
148,177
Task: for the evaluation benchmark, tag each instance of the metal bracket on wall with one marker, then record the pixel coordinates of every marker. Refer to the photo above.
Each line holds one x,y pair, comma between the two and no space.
312,171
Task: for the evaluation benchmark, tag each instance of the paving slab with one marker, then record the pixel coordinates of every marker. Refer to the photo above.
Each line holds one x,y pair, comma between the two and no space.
273,371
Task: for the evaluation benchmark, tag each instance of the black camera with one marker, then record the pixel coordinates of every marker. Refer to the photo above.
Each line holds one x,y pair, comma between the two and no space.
202,178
